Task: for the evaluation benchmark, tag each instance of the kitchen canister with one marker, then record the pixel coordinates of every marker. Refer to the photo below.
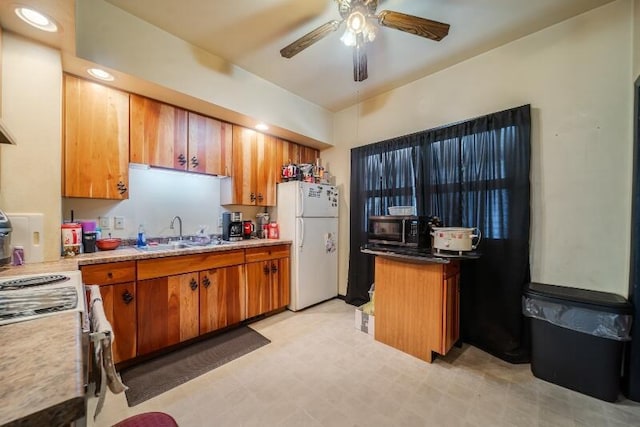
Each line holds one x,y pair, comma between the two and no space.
71,235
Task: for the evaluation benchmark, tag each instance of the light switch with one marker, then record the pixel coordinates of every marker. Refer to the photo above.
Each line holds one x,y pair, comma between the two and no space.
118,222
105,222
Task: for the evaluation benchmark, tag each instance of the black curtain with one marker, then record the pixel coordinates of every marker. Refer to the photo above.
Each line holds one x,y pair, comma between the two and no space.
470,174
382,175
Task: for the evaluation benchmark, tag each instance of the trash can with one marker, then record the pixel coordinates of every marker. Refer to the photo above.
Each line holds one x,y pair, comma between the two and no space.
578,337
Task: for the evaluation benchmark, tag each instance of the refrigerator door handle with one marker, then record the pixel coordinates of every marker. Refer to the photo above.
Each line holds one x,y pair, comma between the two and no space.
301,233
301,195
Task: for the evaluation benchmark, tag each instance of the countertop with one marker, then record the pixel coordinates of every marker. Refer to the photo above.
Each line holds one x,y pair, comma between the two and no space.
41,371
130,253
416,256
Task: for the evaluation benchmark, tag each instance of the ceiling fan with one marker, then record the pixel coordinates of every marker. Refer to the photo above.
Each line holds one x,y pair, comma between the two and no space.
360,18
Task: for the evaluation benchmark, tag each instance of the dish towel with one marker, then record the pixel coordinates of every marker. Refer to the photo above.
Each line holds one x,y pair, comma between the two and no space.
102,338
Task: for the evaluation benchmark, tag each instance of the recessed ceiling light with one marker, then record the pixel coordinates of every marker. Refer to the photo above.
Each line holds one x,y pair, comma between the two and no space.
100,74
36,19
262,126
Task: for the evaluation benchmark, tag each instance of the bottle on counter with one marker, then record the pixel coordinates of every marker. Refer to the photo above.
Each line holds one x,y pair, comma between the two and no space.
142,240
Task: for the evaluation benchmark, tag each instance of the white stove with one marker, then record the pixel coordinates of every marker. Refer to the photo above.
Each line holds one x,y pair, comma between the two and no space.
28,297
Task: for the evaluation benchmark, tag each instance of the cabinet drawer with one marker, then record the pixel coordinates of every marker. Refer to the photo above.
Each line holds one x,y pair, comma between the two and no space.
266,253
109,273
451,269
160,267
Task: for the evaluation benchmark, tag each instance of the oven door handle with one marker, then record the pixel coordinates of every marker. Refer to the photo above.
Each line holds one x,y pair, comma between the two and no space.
404,235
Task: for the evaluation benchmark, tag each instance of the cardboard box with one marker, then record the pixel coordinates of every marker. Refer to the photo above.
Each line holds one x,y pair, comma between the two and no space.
365,322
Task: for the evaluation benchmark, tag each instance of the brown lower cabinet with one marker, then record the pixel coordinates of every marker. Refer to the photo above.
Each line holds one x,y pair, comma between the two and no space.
119,298
156,303
417,306
222,298
267,279
168,311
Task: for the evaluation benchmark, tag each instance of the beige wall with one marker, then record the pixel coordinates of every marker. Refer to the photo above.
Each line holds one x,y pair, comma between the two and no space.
30,171
111,37
577,77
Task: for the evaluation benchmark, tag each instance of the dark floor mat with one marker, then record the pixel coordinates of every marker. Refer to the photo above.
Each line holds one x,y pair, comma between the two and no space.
158,375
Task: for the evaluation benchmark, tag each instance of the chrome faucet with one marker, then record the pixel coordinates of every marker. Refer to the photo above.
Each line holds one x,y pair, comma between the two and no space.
179,221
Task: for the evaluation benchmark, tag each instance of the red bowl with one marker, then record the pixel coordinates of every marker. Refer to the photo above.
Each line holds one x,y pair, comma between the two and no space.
108,244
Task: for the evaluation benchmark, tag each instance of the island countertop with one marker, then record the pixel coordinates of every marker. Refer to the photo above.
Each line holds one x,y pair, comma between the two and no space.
42,371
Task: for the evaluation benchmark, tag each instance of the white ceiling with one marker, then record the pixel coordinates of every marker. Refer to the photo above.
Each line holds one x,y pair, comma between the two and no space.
250,34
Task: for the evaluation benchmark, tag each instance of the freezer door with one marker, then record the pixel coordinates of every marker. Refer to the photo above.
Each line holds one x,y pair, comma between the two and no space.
315,275
316,200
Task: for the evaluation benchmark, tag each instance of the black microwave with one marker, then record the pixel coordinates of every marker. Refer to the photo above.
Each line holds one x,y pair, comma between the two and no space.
407,231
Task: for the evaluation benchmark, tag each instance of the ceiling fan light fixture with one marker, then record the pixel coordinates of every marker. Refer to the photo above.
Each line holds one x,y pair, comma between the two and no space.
348,38
356,22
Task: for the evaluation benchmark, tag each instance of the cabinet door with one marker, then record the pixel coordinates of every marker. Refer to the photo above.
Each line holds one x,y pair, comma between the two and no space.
280,277
167,311
245,173
209,145
258,288
158,134
308,155
267,172
286,152
221,298
120,308
96,133
451,313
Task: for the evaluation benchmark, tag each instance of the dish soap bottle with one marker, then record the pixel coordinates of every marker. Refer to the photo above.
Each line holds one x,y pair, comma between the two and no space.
142,240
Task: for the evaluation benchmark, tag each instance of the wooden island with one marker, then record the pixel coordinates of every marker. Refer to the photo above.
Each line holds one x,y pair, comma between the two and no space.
417,303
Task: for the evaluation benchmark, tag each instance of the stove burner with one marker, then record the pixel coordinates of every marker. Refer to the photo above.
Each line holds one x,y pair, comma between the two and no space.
27,282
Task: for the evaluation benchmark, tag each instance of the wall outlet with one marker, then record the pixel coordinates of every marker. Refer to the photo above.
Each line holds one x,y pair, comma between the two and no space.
105,222
118,222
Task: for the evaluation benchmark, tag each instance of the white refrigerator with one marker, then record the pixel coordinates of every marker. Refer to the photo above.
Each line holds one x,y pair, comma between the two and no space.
307,214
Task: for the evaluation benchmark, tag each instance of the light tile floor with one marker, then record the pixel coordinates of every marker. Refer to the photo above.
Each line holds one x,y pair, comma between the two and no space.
320,371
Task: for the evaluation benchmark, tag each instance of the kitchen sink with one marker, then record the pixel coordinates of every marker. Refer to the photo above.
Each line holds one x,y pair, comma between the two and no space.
180,244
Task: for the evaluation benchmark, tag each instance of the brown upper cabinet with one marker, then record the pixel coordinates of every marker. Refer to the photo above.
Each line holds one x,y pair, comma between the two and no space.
169,137
96,140
158,134
254,171
308,155
210,145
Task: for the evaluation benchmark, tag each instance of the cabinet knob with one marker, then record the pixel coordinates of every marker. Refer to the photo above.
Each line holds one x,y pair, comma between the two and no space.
182,159
252,197
274,268
193,284
206,282
265,269
194,162
110,275
260,198
127,297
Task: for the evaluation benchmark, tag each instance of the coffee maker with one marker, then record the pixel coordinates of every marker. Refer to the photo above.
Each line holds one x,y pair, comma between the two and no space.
262,223
232,226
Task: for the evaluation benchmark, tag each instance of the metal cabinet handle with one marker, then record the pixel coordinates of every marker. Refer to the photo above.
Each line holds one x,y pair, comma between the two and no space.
206,282
127,297
194,162
121,187
260,198
265,269
193,284
182,159
252,197
274,268
110,275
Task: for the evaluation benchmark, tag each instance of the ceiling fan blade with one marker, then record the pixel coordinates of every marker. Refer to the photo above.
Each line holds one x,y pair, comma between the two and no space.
413,24
359,63
309,39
